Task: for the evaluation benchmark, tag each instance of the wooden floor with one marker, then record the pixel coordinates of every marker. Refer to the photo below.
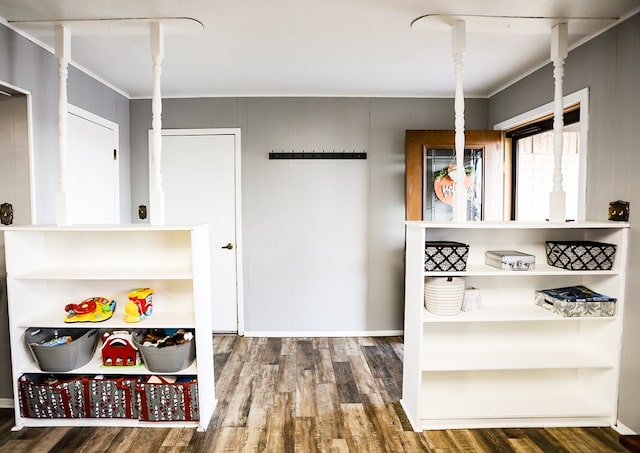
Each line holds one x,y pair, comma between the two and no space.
306,395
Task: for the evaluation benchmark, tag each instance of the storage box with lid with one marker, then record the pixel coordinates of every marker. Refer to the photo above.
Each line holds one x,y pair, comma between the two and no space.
575,301
510,260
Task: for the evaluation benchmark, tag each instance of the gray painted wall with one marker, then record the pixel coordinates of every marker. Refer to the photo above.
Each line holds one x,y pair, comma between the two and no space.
29,67
375,125
608,66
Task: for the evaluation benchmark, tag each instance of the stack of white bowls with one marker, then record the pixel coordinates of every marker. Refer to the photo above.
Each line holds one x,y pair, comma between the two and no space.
443,295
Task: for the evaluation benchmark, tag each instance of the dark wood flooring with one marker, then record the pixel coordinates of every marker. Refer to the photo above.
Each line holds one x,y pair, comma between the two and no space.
306,395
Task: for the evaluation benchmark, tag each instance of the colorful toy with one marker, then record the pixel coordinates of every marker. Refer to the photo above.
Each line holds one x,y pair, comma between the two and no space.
140,305
94,309
118,349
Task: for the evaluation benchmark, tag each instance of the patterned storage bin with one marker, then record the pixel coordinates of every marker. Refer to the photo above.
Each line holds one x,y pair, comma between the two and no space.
445,256
580,255
165,401
48,396
111,397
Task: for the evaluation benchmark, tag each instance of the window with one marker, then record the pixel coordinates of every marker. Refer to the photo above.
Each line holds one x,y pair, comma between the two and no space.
439,183
532,158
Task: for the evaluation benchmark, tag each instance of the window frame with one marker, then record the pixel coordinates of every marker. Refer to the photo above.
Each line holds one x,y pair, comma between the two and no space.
579,98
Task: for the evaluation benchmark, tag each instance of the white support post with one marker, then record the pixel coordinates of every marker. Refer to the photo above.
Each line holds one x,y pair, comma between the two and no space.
557,197
460,193
63,55
156,197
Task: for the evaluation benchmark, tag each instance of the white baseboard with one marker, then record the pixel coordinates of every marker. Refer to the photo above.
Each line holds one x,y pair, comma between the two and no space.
306,334
624,430
6,403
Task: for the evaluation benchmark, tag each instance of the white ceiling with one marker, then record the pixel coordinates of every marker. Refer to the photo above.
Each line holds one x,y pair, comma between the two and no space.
311,48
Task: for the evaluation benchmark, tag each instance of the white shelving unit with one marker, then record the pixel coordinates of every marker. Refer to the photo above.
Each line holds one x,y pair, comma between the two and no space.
511,363
49,267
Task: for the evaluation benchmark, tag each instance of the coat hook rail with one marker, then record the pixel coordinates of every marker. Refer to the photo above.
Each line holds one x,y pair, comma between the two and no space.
276,155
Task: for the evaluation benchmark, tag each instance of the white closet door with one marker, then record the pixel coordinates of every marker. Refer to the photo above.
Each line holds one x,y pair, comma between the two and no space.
92,169
199,181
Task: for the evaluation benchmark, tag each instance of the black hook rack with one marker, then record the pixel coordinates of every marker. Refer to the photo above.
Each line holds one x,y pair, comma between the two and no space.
275,155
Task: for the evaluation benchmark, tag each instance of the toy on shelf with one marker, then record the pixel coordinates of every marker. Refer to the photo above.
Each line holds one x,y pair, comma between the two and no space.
140,305
118,349
94,309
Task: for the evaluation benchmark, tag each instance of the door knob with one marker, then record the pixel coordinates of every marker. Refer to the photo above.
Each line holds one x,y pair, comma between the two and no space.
229,246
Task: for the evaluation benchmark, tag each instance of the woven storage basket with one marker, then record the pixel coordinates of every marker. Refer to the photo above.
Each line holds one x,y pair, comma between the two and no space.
445,256
443,295
580,255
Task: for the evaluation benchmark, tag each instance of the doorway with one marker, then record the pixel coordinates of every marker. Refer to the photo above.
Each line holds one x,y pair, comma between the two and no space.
201,182
94,194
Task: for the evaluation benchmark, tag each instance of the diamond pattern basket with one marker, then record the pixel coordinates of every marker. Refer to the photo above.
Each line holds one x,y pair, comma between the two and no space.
445,256
580,255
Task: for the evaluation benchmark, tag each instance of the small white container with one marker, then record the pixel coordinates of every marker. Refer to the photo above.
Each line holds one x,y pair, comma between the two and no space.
443,295
471,301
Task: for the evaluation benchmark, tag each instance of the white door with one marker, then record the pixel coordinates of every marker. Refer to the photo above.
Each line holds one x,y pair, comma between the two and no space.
200,173
92,169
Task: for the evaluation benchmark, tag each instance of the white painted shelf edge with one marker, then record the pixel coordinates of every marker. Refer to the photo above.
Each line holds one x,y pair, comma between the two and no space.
509,313
517,225
107,274
547,404
442,359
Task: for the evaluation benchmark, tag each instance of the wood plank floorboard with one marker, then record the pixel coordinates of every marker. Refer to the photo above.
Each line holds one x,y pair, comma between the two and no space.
306,395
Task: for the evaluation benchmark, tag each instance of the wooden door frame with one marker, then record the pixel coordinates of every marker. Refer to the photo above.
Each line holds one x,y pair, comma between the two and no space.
415,143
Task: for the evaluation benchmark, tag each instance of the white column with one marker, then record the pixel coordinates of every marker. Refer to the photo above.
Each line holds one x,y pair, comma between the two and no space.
557,197
156,197
460,193
63,55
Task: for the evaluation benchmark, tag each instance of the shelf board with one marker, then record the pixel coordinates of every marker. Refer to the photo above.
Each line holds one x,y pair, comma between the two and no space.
440,358
94,367
548,403
164,315
115,422
508,313
514,225
483,270
110,228
108,274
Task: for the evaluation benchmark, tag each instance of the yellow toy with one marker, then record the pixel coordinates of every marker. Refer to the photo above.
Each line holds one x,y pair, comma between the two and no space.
94,309
140,305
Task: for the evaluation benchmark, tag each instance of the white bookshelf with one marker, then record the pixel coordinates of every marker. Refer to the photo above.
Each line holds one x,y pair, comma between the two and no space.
51,266
511,363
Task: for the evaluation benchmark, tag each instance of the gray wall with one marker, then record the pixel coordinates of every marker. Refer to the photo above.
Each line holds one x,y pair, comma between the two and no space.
27,66
608,66
31,68
375,125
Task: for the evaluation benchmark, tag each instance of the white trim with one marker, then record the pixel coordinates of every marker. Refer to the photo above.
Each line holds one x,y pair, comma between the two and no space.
49,49
107,124
621,428
322,334
571,47
581,97
236,132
